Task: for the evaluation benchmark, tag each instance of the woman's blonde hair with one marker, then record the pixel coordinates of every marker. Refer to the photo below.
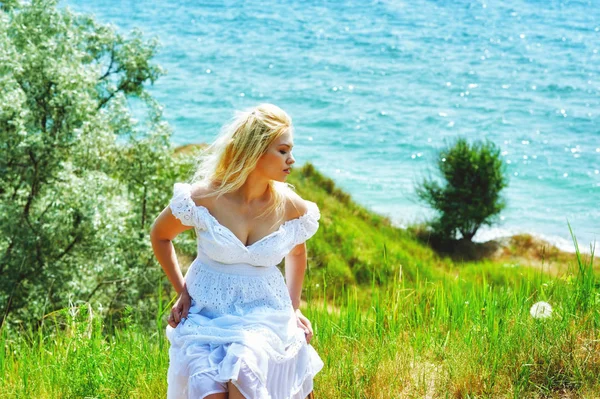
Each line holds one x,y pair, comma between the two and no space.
227,162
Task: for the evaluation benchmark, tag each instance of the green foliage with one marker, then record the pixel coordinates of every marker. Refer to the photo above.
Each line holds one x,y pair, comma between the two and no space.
80,178
473,177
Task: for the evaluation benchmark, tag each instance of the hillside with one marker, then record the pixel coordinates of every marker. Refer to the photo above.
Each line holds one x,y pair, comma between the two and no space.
358,247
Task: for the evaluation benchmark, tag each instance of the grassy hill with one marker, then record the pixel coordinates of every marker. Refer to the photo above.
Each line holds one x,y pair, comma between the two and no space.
357,247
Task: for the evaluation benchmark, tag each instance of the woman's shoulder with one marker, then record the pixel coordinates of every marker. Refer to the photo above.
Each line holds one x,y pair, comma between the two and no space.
202,193
305,215
296,206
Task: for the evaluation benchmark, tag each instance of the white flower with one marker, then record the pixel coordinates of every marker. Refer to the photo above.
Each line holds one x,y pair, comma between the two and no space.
541,310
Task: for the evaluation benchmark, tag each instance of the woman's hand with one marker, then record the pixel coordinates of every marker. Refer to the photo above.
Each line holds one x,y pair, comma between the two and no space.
304,324
180,308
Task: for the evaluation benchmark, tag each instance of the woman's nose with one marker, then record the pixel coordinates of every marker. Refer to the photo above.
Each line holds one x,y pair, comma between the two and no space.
291,159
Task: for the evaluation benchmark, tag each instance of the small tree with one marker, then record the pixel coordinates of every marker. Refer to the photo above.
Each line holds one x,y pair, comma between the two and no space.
474,176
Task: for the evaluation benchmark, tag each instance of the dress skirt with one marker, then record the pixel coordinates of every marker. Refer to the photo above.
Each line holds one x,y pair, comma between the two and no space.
241,328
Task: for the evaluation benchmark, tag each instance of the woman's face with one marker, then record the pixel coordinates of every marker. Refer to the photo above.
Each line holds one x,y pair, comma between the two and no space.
275,164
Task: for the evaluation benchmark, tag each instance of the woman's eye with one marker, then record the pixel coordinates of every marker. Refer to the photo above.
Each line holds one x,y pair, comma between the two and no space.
283,152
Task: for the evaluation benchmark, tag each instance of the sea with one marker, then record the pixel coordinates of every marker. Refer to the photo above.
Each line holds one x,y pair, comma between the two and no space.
377,88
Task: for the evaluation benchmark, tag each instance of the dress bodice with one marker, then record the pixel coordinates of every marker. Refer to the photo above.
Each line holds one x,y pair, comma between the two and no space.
217,244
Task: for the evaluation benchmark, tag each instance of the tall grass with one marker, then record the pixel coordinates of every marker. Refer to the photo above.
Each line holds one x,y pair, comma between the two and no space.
457,338
464,336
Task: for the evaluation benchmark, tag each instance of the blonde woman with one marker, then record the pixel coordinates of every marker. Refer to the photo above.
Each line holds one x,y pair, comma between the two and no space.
236,330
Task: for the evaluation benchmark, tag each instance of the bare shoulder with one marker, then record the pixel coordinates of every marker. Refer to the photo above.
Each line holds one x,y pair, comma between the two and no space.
295,205
202,194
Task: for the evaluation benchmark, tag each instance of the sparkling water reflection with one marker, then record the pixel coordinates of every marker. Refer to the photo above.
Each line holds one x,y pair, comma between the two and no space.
371,85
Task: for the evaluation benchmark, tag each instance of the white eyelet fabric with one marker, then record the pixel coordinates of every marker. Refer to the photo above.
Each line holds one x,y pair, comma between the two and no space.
241,327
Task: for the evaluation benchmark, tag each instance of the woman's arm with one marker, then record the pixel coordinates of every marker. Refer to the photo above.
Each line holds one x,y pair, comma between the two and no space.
295,266
164,229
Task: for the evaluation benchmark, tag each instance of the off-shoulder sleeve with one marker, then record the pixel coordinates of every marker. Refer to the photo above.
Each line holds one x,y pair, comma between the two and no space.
183,207
307,224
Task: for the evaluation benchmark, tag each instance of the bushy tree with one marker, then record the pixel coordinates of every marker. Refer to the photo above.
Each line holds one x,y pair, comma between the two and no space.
80,178
469,197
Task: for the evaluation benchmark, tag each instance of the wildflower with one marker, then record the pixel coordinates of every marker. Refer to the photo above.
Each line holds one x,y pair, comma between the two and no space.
541,310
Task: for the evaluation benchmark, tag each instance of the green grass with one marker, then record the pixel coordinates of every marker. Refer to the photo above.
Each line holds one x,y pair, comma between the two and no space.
455,338
391,318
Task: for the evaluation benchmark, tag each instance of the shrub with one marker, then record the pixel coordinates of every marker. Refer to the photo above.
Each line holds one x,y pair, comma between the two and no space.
80,178
474,175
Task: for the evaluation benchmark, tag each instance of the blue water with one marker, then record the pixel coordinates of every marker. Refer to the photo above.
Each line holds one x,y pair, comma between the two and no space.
375,88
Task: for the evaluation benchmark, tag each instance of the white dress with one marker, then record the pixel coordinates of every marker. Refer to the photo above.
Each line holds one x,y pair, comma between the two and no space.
241,326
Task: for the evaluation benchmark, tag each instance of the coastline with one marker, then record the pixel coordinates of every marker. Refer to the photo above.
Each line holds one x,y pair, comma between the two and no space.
561,243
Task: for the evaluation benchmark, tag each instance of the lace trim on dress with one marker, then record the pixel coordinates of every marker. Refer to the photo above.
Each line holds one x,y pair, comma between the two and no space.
183,207
308,223
191,214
